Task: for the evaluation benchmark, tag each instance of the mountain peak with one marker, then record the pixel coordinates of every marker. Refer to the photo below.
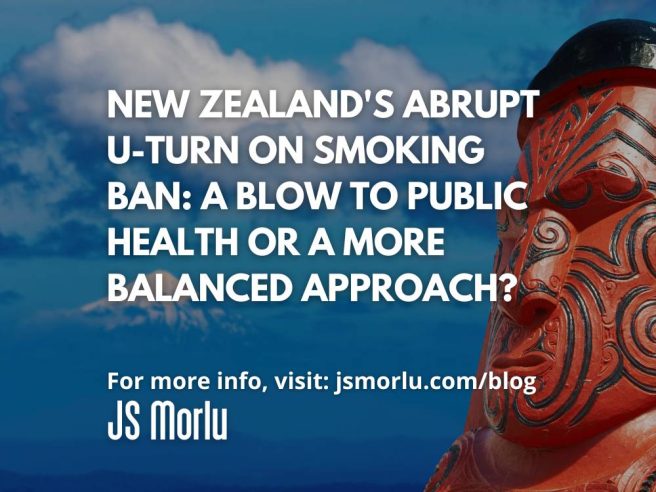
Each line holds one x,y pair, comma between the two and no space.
168,280
181,316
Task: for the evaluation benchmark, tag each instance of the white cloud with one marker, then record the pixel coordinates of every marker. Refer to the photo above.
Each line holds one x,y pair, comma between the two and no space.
134,50
30,204
62,86
374,66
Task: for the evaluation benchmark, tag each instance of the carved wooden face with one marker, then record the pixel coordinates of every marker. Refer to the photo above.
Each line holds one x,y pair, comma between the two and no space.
583,314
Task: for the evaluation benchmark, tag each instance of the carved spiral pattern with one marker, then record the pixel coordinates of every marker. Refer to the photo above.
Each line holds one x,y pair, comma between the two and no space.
585,167
584,308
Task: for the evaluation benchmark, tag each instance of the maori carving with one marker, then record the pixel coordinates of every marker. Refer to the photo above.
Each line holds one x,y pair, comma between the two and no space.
583,314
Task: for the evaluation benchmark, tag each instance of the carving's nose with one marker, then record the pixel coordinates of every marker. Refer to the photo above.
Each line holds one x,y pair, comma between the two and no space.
540,261
532,308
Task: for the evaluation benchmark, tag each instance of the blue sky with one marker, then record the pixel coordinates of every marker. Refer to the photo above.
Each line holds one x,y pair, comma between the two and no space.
464,40
468,43
53,174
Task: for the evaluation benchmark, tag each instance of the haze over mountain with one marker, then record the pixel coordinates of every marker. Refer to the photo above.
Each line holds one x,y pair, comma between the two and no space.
178,317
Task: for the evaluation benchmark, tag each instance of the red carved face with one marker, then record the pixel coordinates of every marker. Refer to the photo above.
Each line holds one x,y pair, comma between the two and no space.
583,314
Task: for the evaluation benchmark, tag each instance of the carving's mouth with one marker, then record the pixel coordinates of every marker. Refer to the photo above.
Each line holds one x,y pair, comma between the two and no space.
524,350
534,362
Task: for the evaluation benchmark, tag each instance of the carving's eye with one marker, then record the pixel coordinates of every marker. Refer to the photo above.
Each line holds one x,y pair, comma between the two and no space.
511,223
503,223
598,190
615,177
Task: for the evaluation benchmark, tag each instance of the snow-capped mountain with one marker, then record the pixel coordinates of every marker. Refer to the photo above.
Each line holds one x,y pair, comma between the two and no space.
181,316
